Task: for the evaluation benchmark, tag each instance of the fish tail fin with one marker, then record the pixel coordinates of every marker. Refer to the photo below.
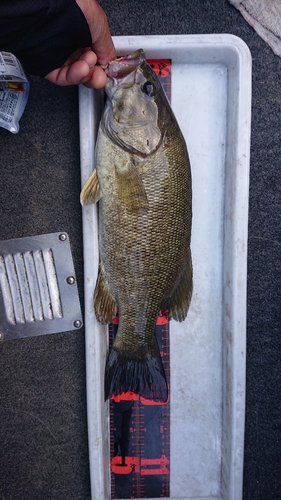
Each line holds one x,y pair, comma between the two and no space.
142,375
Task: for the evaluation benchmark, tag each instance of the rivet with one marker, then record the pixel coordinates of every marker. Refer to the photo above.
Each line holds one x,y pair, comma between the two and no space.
63,237
77,323
70,280
1,336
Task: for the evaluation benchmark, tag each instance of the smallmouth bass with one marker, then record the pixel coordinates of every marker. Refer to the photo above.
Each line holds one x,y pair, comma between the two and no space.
142,182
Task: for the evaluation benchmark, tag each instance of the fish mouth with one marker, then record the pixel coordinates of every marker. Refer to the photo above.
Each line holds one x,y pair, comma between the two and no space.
124,66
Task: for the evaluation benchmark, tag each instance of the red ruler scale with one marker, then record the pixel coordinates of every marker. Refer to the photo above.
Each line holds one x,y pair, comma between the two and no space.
140,428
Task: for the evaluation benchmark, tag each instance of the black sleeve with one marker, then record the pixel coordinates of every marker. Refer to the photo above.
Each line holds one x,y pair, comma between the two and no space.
42,33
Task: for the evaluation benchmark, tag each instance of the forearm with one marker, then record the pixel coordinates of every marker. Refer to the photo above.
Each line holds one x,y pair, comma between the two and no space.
41,33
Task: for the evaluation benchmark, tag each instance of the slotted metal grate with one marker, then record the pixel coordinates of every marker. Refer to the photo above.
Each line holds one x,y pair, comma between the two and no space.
38,291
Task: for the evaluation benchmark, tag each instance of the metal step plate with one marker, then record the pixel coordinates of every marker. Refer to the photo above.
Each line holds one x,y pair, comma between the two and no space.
38,290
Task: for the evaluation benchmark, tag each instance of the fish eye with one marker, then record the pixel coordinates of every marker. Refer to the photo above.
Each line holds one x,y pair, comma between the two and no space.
149,89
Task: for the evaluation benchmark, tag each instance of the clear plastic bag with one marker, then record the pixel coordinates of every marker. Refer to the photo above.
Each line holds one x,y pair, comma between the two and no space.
14,91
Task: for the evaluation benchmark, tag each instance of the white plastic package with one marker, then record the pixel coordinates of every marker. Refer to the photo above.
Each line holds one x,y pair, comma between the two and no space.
14,91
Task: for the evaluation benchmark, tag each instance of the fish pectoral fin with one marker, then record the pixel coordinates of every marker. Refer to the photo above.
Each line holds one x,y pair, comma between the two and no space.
180,300
130,187
91,191
104,303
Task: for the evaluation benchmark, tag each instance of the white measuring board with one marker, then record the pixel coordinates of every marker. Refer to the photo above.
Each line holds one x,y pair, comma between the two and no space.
211,98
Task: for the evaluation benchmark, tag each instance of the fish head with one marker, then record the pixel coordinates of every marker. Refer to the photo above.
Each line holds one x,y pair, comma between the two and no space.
133,117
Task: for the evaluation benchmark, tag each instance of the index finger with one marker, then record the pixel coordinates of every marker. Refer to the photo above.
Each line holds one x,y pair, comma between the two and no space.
102,43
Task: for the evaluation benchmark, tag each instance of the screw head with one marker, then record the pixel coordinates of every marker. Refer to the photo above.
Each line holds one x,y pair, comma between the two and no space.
1,336
70,280
77,323
63,237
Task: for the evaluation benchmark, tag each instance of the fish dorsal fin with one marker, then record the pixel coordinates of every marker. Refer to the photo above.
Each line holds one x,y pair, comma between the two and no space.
104,303
181,296
130,187
91,191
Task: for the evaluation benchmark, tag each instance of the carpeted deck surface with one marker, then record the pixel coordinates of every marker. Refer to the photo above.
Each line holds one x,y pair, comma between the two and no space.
43,426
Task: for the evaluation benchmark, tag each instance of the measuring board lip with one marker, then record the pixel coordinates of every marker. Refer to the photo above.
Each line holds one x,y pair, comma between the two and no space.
38,289
230,58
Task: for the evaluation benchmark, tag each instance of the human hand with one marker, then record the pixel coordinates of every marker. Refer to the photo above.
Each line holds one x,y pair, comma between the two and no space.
81,66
